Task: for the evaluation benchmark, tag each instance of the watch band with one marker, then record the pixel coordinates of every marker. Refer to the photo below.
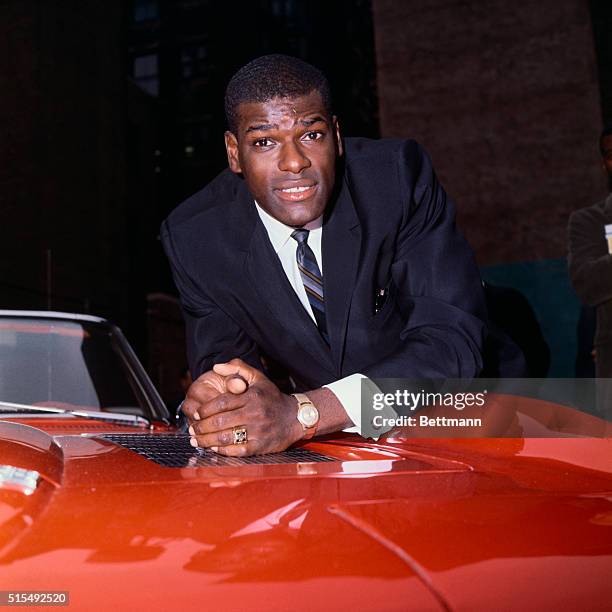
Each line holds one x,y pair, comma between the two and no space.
303,400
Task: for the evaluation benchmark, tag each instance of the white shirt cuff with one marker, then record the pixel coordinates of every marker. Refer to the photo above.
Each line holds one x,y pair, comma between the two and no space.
348,390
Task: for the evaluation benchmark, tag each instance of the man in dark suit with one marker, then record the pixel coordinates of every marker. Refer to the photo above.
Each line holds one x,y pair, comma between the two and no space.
339,260
590,261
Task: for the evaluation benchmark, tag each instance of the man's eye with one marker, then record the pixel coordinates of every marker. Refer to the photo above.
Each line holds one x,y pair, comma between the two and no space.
313,135
262,142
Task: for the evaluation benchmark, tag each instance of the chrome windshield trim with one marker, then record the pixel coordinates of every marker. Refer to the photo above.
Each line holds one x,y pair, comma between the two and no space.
127,419
52,314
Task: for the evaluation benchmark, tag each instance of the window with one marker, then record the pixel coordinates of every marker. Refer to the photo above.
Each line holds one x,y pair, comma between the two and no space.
145,10
145,73
193,61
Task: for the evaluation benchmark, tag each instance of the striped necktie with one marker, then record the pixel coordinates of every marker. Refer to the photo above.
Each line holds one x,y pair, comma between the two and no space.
312,279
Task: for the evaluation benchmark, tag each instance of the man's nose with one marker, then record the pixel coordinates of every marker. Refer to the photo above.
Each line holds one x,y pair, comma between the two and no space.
292,158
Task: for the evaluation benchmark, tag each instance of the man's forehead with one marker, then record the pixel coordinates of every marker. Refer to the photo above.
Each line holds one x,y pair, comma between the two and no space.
291,108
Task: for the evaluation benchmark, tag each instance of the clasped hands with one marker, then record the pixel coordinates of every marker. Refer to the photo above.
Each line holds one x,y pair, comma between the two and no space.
234,394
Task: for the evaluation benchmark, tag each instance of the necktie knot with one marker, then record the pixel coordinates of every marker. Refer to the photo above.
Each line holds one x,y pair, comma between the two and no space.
300,235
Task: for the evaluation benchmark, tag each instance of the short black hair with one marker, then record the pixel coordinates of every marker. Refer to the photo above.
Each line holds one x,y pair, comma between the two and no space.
605,132
273,76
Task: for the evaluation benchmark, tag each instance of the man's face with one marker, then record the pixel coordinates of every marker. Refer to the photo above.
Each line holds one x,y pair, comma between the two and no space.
286,149
606,157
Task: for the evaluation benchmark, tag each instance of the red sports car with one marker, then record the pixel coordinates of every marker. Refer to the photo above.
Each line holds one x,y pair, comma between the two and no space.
105,505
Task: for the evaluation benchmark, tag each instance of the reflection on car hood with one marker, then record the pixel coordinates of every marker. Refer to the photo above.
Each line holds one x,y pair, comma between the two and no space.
409,524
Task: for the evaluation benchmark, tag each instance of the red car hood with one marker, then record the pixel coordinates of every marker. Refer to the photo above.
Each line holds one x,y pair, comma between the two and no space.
408,524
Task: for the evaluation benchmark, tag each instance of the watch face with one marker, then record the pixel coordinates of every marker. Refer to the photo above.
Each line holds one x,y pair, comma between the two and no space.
308,415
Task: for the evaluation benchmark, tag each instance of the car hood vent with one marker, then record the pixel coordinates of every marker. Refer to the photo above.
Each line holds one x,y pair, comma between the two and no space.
174,450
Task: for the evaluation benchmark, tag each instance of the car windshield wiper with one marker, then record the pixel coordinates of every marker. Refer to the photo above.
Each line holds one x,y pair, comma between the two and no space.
109,417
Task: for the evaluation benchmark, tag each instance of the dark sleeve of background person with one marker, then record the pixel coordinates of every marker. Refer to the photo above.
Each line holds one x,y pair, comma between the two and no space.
514,329
585,337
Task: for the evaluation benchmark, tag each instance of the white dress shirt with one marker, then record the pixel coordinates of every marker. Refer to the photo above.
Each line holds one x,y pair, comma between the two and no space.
348,389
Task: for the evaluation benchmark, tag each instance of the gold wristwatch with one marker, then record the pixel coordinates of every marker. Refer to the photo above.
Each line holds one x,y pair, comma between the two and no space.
307,415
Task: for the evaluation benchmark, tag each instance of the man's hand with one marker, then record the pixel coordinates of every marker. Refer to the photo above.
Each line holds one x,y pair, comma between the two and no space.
209,386
236,395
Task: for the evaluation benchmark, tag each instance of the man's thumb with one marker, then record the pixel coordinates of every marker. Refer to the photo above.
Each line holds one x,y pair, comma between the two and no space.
236,384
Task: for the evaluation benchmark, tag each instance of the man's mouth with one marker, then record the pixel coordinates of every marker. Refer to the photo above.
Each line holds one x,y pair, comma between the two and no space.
297,193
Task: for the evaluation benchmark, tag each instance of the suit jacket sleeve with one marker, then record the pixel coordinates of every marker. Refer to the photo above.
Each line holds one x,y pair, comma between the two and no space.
439,290
212,336
590,265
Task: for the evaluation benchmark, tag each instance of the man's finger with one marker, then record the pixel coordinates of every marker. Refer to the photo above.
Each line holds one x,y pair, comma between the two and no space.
216,439
234,450
237,366
189,408
224,421
204,391
222,403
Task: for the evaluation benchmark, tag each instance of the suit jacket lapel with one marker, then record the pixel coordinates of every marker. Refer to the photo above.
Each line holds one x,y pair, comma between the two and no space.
341,247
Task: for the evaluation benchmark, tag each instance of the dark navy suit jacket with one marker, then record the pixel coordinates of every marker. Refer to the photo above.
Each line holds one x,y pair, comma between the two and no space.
389,226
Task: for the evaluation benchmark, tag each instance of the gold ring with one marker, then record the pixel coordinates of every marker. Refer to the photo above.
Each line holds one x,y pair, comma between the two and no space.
240,434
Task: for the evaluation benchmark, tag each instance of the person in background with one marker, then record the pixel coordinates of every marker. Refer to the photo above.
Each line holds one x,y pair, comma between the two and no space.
590,261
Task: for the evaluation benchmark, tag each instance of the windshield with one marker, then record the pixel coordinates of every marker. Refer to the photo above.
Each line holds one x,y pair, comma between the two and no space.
68,364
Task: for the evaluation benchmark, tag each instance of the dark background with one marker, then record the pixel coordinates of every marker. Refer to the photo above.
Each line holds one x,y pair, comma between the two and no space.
112,113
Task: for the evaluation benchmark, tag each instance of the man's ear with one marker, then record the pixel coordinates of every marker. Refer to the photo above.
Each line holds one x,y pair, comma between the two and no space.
337,136
231,146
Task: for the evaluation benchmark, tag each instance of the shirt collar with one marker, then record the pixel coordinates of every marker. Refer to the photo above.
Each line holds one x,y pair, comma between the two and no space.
278,232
